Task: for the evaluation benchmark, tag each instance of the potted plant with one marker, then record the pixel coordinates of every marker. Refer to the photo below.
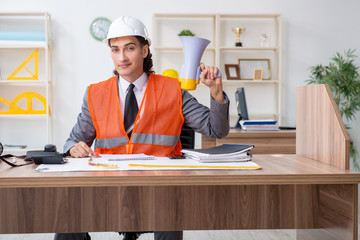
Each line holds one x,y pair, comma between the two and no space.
186,32
343,78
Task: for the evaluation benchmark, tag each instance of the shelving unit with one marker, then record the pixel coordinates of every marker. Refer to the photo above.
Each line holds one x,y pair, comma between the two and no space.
264,96
26,129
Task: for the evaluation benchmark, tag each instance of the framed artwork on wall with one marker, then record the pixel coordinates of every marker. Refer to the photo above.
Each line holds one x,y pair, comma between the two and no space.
232,72
247,68
258,74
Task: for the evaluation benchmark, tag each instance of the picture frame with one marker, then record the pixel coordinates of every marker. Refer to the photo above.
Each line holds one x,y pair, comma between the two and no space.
247,68
258,74
232,71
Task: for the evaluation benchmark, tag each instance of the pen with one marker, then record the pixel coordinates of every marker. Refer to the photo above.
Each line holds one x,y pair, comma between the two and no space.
179,157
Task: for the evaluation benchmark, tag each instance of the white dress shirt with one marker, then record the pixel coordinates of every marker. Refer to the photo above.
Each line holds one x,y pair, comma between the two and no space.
139,90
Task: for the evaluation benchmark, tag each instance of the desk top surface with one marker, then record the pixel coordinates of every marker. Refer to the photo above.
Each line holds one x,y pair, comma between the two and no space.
276,169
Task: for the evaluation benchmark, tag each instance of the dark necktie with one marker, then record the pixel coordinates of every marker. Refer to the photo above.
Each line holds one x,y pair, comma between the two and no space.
131,110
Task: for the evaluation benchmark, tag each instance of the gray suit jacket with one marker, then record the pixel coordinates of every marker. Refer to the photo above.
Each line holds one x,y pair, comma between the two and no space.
213,122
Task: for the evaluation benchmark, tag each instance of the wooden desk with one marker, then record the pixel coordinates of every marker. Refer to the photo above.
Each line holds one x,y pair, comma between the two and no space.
289,192
311,191
266,142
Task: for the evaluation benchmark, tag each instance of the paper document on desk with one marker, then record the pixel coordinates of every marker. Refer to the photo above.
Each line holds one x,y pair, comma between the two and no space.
159,163
222,153
127,157
187,164
206,158
244,158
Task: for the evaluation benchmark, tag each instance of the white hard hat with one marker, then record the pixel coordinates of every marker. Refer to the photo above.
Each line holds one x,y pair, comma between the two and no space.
127,26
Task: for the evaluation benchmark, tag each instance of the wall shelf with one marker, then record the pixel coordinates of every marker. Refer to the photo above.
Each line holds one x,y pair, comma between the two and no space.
250,81
16,53
262,96
22,44
24,82
177,49
249,48
24,116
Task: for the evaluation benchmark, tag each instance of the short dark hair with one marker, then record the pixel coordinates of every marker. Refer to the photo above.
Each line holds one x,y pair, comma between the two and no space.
148,62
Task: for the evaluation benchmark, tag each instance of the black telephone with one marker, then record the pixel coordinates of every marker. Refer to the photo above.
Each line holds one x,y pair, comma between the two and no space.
48,156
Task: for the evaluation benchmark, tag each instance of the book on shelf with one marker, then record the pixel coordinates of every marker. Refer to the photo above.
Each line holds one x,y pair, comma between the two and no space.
261,128
222,153
11,146
258,122
259,125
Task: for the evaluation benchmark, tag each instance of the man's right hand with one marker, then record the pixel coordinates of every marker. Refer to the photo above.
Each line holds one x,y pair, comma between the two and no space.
81,150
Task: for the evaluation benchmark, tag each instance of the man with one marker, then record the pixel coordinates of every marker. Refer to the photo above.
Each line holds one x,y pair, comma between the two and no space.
137,111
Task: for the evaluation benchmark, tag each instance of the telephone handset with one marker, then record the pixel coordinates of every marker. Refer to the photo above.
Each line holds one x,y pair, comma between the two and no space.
48,156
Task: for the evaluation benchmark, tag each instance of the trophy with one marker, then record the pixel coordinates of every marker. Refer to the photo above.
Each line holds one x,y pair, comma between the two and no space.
238,31
264,40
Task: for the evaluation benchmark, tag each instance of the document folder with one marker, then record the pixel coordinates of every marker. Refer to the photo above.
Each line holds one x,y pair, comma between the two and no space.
225,152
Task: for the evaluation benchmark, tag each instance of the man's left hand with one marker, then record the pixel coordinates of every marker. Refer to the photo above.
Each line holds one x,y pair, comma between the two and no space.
207,77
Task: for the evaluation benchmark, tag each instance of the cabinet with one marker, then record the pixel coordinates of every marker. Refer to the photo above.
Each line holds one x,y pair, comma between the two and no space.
263,96
25,79
266,142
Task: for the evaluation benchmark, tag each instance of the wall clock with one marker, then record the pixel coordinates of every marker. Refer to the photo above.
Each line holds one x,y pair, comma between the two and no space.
99,28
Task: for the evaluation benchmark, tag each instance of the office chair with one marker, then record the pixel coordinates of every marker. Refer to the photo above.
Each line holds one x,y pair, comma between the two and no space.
187,139
131,235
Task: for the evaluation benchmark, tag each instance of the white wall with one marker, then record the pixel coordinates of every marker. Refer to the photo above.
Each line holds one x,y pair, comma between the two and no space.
312,32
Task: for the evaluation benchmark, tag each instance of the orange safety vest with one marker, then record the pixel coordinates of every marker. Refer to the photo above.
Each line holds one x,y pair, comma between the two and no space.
157,126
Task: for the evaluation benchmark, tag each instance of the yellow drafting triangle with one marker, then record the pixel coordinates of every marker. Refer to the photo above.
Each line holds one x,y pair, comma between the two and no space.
11,109
28,96
34,76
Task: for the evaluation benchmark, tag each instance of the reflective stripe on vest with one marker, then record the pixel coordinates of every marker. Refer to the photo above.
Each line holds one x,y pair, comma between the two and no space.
111,142
145,138
156,139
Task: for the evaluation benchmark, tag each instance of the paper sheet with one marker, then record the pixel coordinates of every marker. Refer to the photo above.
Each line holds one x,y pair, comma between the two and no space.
124,157
159,163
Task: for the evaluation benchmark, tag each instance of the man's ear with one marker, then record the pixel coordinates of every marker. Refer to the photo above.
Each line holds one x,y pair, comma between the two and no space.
145,50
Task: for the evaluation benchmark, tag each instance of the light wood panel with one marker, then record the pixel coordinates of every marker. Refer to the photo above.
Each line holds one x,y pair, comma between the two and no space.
148,208
321,135
266,142
331,210
79,209
320,132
